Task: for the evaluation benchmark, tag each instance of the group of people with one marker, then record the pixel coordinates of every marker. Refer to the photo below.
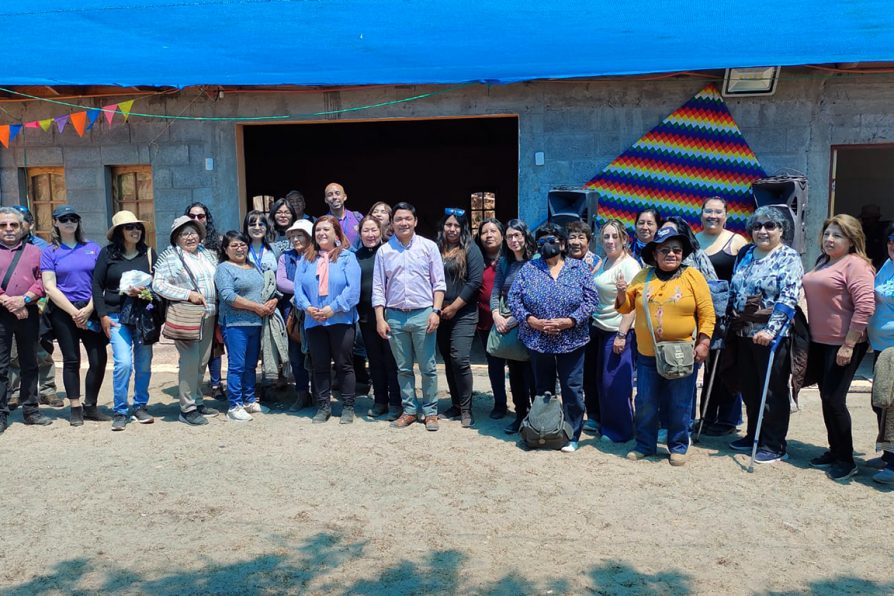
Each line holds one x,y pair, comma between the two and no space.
306,296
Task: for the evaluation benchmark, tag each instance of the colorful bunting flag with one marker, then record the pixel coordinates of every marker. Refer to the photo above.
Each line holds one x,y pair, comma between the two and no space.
14,130
695,153
4,135
79,121
92,115
61,121
46,123
126,107
109,112
32,124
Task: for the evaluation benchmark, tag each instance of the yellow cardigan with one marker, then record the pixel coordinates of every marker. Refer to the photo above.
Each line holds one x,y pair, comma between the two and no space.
677,307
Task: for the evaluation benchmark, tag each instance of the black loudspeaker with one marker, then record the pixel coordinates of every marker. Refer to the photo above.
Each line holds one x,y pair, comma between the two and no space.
568,205
788,193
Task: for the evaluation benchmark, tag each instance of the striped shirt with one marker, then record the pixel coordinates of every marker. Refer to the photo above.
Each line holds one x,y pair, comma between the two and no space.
171,280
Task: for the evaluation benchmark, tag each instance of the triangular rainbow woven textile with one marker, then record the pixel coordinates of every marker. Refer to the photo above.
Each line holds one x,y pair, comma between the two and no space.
695,153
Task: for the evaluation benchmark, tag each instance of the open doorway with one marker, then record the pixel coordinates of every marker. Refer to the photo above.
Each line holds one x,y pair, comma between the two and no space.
862,185
432,164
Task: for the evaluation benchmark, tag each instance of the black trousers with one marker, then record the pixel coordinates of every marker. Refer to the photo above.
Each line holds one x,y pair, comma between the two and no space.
25,333
382,367
69,337
455,345
521,384
834,382
332,344
591,373
753,367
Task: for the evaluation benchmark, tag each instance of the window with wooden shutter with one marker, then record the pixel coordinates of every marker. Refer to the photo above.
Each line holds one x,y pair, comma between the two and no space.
46,191
484,205
132,190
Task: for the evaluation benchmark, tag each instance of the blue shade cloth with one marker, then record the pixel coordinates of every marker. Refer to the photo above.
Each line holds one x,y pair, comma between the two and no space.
304,42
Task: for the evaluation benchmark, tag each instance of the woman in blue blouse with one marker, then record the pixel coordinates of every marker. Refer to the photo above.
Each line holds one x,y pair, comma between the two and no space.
256,227
553,298
327,288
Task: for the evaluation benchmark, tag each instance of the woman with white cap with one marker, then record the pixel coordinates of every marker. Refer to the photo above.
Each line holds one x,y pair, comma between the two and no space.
299,237
67,271
126,251
185,272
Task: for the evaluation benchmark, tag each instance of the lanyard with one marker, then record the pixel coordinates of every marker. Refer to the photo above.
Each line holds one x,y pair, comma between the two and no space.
257,257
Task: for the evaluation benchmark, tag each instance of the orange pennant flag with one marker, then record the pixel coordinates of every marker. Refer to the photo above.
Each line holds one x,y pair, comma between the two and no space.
4,135
46,124
79,121
109,112
126,107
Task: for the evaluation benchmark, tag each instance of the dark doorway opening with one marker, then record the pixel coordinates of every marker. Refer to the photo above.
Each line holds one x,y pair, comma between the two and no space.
432,164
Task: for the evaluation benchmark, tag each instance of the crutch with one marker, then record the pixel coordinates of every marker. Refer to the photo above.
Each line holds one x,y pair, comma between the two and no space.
701,422
789,313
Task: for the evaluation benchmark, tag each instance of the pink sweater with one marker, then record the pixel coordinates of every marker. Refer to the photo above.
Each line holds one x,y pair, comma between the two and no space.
840,299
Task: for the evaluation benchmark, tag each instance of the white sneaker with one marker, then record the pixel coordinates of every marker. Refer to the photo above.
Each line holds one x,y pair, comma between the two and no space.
238,414
571,447
256,408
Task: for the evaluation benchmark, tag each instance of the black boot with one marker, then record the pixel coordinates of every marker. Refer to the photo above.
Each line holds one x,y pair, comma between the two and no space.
77,416
93,413
347,414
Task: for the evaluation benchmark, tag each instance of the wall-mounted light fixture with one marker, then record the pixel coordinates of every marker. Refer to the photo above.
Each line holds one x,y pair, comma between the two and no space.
742,82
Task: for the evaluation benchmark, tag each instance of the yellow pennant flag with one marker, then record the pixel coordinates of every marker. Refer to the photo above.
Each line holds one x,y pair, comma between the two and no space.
46,124
125,107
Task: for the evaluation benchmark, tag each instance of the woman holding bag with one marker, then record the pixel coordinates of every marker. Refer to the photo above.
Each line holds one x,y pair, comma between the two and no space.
672,303
490,241
518,249
185,273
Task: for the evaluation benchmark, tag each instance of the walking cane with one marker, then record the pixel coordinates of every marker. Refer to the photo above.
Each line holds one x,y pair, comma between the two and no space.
760,417
701,422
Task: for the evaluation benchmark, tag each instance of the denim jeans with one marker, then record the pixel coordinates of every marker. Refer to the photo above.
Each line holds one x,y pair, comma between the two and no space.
671,397
130,355
570,369
214,368
243,347
410,343
296,363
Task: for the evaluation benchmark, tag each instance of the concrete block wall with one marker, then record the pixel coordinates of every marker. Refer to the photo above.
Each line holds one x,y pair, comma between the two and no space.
580,127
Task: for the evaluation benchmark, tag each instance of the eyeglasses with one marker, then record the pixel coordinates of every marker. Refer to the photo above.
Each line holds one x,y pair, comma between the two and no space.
69,219
677,250
257,224
236,245
454,211
132,227
770,226
11,224
188,233
199,216
546,240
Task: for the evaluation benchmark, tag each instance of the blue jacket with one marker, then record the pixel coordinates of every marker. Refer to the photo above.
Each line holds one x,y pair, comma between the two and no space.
344,290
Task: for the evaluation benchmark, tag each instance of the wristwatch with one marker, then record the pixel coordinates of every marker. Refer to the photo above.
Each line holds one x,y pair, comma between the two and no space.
27,299
437,311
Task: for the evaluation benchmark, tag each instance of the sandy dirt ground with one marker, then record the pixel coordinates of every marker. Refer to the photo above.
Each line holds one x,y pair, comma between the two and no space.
282,506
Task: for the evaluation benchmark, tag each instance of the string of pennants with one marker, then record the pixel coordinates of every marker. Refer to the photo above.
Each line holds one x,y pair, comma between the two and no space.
80,121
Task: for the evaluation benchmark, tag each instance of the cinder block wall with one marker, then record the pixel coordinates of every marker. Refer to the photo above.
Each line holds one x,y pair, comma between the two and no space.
580,127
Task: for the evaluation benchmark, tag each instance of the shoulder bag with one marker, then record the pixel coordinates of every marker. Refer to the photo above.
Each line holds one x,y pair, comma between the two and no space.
673,359
506,345
183,321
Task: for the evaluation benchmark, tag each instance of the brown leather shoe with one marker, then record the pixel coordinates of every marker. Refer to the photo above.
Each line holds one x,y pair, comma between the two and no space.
431,423
404,421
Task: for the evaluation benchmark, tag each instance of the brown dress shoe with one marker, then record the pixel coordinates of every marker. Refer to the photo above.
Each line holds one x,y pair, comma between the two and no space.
404,421
431,423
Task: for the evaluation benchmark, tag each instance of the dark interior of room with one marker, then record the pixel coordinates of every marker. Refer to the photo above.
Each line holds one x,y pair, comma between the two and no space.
432,164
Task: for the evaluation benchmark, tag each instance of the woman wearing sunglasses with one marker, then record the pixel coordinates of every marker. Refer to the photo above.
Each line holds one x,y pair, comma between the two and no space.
553,298
256,228
126,251
463,271
840,302
764,291
67,271
673,303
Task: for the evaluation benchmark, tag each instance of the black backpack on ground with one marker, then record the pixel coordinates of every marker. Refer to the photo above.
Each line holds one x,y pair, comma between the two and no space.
545,427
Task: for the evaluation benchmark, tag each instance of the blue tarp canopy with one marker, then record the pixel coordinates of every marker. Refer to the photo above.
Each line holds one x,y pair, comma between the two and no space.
344,42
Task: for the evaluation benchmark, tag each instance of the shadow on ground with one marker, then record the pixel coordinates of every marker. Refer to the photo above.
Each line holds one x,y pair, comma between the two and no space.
315,566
